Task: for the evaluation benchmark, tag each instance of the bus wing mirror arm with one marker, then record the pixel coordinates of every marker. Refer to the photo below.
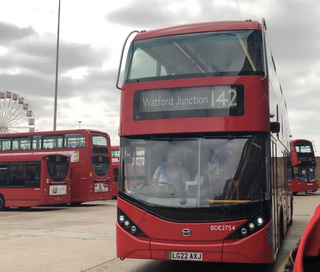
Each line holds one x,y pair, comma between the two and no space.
274,127
119,69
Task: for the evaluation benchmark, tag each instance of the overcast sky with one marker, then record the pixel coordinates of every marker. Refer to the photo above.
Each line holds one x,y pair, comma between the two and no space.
92,33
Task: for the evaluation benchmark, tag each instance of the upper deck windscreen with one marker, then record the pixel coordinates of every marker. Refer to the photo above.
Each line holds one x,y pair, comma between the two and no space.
304,153
223,53
303,147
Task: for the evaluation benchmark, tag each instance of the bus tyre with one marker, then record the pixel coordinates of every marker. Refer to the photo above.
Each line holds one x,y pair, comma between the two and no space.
24,208
2,203
291,208
281,225
75,204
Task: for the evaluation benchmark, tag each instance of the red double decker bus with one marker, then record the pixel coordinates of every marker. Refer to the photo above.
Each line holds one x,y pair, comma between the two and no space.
34,179
303,160
203,109
90,152
115,154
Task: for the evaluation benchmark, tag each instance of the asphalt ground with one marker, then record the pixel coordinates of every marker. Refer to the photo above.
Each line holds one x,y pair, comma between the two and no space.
66,238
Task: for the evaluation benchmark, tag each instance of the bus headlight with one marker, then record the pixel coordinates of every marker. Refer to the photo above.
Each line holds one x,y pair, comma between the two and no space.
126,223
251,226
259,221
121,218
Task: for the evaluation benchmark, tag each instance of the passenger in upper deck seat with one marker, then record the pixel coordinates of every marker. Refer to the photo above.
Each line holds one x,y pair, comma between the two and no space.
305,256
172,173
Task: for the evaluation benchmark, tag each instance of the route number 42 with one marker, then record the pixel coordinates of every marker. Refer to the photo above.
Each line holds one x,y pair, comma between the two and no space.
224,98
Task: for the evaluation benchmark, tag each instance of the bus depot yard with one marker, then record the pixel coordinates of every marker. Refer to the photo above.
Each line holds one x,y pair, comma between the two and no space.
188,190
66,238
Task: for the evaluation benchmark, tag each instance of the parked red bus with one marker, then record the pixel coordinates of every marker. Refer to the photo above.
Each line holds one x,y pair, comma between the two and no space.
34,179
209,92
90,152
303,160
115,154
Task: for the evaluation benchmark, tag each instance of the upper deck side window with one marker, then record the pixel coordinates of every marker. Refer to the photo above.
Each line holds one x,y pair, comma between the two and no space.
225,53
5,144
21,143
38,142
74,140
52,141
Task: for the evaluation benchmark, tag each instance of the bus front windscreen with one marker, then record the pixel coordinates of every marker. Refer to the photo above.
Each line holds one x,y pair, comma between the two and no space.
221,53
305,173
194,172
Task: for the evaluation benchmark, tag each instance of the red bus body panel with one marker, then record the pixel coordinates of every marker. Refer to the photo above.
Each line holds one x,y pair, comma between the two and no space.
255,93
301,186
28,197
198,28
208,238
246,249
115,171
23,197
294,157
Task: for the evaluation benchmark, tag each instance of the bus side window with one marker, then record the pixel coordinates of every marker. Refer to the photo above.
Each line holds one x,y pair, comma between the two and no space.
3,175
17,174
74,140
33,173
53,141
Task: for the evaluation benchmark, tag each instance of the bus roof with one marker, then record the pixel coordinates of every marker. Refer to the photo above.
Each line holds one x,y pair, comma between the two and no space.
29,156
300,140
199,27
49,132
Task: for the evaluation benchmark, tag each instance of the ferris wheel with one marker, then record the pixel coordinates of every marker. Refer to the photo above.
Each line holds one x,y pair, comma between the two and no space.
16,114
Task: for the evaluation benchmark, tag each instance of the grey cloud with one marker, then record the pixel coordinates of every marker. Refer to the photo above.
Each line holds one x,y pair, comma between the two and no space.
35,63
10,32
147,15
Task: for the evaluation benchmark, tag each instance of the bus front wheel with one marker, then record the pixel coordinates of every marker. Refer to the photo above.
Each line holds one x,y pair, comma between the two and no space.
2,203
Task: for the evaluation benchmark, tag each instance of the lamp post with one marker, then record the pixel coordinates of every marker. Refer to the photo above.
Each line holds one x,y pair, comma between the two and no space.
79,123
56,81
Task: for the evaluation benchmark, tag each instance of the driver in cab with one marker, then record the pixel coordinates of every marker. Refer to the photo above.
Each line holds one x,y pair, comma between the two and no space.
172,173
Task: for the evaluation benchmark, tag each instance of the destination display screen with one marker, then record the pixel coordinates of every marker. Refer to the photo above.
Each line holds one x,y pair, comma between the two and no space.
206,101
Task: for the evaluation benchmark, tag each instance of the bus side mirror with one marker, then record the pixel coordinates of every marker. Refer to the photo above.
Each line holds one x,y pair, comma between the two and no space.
274,127
71,172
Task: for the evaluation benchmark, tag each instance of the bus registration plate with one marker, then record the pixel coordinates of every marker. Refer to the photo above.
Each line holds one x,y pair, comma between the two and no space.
192,256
